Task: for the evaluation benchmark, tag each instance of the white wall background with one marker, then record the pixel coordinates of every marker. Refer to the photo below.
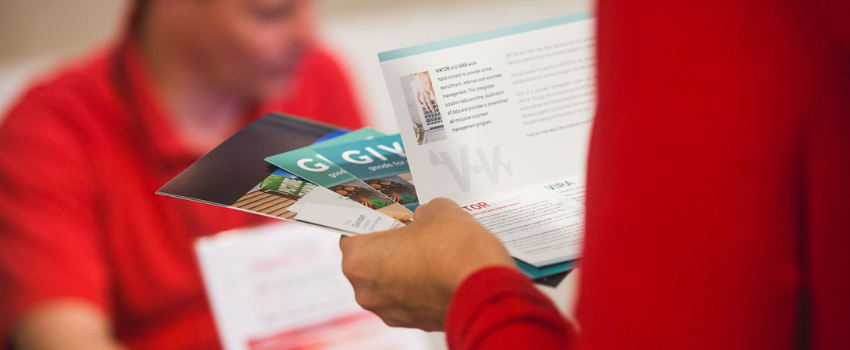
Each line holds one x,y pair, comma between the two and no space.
35,34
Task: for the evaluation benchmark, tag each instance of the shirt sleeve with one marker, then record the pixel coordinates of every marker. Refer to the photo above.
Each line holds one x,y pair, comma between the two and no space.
48,244
708,203
499,308
717,198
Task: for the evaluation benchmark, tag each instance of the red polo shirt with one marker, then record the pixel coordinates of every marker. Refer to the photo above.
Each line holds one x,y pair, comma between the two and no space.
82,154
718,193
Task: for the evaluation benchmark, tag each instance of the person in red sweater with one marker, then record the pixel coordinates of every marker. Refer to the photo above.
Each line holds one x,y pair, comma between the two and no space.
90,257
718,200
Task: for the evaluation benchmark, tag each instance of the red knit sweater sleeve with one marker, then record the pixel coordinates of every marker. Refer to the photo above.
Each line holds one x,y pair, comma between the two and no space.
499,308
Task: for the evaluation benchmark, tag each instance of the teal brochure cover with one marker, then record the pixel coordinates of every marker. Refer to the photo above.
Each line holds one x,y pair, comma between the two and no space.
312,166
308,164
380,162
287,183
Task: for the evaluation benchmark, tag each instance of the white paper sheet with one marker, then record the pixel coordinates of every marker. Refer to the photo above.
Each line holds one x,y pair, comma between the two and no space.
355,220
280,287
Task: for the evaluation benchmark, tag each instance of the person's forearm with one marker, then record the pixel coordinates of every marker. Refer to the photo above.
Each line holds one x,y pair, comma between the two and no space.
66,325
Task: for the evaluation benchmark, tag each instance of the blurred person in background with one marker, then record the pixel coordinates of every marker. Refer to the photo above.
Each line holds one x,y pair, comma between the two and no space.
90,257
718,197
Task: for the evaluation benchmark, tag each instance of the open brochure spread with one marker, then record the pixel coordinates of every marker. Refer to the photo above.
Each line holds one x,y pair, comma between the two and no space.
497,121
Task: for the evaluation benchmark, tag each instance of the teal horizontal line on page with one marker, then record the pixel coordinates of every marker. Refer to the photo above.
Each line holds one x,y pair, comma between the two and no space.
491,34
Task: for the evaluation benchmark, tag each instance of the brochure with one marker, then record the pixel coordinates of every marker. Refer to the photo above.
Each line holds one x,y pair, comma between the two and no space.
309,164
500,122
380,162
382,157
235,174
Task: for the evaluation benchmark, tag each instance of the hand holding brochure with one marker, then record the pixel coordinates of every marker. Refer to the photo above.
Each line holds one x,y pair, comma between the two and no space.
498,121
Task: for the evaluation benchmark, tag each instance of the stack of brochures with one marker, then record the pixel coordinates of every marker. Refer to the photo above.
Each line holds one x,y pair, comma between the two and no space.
497,121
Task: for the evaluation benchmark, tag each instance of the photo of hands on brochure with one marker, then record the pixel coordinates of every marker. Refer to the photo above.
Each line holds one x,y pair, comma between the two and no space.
497,121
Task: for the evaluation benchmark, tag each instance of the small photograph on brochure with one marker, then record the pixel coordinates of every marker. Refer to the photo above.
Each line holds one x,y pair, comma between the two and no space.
364,194
423,108
275,195
397,188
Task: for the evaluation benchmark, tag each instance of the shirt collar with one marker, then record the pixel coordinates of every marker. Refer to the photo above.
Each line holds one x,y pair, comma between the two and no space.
148,123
